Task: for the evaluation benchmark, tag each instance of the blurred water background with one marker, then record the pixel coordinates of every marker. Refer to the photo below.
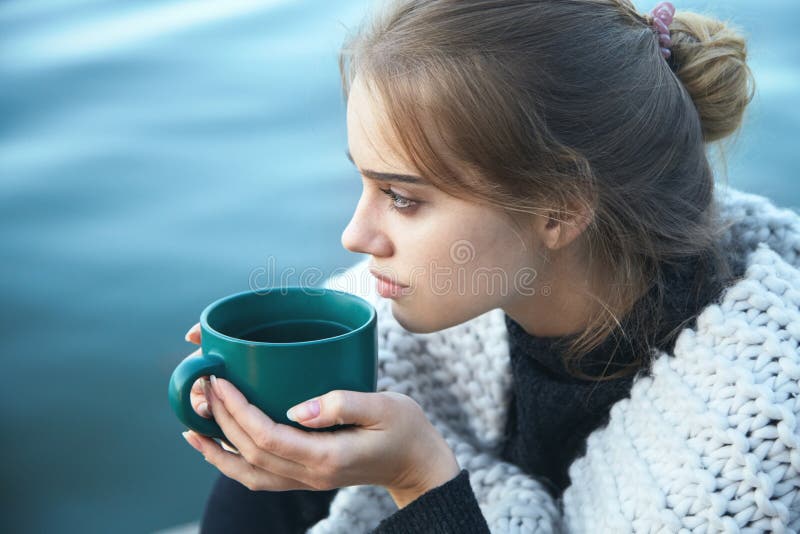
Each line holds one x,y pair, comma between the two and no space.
153,156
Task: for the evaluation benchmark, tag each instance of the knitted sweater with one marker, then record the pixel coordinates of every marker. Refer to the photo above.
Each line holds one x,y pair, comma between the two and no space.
707,441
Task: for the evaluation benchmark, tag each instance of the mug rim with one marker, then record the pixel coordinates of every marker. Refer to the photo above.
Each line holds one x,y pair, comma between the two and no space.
322,290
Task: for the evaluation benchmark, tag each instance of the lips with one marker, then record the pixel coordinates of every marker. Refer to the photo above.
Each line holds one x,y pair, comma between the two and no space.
386,279
388,288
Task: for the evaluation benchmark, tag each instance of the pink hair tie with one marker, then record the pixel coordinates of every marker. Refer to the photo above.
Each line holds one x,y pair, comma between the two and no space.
662,17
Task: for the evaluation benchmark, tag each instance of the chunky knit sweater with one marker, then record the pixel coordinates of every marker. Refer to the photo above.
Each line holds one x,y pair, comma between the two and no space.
707,440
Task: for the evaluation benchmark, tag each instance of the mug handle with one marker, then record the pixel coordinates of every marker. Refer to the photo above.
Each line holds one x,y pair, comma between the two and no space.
180,385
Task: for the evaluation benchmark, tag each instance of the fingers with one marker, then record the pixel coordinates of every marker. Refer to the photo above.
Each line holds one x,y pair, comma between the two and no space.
341,407
265,455
193,335
283,440
236,467
198,398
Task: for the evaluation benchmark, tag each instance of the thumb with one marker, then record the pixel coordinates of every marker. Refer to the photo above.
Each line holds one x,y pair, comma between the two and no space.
339,407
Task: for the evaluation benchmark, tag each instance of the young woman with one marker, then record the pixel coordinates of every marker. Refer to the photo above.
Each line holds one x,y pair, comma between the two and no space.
577,332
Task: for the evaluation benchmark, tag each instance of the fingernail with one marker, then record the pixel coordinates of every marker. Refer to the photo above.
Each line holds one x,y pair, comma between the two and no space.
208,392
191,441
216,387
203,409
304,411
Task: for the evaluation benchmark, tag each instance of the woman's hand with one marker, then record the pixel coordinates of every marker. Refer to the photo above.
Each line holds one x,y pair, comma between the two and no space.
392,444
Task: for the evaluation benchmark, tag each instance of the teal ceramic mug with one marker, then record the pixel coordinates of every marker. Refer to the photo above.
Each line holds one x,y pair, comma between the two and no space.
281,347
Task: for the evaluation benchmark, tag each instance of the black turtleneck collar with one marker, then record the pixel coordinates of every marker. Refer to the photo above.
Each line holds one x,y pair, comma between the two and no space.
690,286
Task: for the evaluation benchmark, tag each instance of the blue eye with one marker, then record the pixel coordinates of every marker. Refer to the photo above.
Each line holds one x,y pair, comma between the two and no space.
398,202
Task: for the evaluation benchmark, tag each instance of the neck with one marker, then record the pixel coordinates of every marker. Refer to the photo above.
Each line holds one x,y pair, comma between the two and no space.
561,304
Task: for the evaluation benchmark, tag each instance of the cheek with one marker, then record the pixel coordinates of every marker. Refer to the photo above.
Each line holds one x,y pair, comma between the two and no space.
504,246
451,252
457,269
421,249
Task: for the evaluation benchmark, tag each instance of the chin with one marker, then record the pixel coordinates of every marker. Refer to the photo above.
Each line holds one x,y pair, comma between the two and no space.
422,324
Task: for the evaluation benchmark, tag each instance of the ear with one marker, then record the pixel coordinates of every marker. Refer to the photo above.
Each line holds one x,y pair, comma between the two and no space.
560,227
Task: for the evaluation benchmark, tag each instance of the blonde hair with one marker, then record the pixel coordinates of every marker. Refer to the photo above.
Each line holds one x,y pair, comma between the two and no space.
540,106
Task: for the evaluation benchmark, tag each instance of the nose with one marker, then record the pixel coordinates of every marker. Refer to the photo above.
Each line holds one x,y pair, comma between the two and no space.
364,234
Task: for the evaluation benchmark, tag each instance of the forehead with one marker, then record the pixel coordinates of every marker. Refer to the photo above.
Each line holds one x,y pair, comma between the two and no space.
371,142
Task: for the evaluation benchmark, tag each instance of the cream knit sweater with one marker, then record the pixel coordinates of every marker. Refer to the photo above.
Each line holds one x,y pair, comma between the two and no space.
709,441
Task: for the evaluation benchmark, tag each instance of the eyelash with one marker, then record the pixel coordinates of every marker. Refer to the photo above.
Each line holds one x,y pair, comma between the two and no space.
394,197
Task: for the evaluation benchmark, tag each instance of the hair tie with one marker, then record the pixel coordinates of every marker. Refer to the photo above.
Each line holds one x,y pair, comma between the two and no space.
662,17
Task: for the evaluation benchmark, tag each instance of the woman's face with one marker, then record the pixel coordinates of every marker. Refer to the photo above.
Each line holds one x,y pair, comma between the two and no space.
457,259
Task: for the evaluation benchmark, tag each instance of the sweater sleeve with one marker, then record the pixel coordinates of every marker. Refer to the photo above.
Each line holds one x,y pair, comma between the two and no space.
449,508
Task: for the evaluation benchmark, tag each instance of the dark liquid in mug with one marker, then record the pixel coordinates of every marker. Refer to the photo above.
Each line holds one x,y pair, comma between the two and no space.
293,331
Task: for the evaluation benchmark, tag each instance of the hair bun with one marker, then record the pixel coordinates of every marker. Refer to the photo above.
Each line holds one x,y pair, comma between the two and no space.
710,57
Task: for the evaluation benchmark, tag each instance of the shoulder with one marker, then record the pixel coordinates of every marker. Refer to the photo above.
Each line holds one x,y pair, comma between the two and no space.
752,220
719,419
741,360
715,426
750,337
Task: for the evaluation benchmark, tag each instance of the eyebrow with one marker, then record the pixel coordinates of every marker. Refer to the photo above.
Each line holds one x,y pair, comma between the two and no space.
387,176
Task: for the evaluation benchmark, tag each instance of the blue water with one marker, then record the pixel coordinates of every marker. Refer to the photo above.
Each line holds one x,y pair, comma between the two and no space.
153,155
